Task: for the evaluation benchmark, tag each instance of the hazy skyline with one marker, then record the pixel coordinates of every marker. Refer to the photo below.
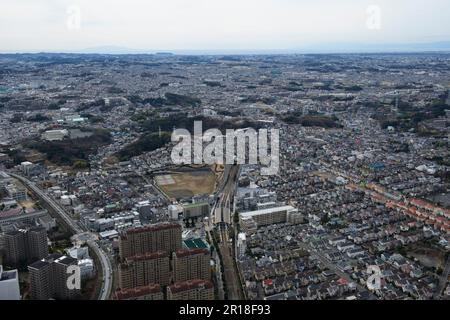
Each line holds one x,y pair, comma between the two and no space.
75,25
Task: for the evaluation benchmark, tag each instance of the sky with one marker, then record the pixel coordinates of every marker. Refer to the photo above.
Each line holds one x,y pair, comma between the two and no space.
165,25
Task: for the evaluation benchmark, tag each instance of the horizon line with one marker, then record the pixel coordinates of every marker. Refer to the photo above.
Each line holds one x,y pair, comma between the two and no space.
228,52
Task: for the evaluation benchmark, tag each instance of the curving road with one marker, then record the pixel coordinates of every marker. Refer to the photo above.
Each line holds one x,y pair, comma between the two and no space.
106,287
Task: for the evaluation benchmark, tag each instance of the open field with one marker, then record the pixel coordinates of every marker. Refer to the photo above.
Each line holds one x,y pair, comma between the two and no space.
427,256
187,184
27,204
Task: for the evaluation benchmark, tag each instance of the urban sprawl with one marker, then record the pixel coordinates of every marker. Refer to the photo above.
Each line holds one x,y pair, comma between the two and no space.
87,179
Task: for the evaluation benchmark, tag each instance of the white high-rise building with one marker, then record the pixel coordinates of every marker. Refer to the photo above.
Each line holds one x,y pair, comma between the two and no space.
241,244
9,285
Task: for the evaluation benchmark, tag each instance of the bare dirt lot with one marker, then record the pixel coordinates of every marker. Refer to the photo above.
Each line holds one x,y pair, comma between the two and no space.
428,256
187,184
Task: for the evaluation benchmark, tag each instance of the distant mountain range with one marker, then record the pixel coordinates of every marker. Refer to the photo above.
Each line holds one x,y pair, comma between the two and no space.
319,48
385,47
442,46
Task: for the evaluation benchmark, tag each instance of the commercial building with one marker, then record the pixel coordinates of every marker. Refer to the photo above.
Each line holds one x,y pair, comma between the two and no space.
191,290
9,285
153,238
189,264
142,270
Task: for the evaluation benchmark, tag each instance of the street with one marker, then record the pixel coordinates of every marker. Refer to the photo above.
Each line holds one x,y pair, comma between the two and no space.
73,226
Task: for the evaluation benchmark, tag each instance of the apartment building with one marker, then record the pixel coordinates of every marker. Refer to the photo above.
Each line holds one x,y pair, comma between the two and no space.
266,216
148,292
191,290
49,277
25,245
142,270
189,264
153,238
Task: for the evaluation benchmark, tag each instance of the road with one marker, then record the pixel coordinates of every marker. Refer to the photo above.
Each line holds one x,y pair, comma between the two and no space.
73,226
405,208
332,266
105,290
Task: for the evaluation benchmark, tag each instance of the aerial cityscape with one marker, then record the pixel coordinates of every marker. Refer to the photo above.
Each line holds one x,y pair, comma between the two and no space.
258,176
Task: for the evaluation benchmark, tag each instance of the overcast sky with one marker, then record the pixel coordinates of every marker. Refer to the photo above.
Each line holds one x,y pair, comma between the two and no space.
70,25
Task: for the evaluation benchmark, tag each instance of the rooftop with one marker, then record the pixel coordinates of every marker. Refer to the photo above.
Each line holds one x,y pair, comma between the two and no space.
137,292
190,252
195,243
189,285
250,214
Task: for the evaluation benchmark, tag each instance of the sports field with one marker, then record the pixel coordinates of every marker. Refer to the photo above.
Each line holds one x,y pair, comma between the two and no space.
187,184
